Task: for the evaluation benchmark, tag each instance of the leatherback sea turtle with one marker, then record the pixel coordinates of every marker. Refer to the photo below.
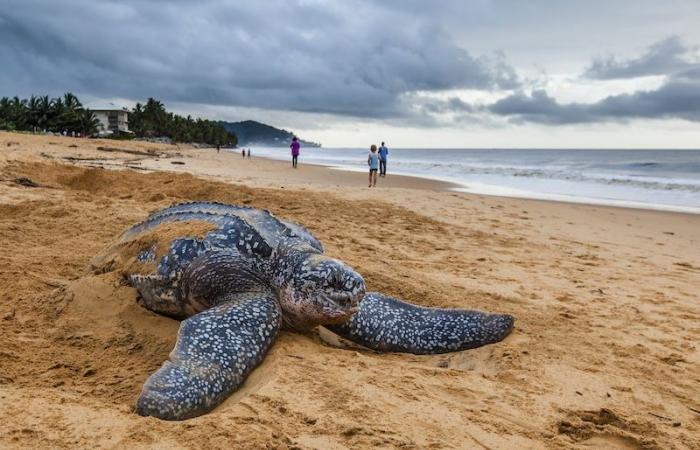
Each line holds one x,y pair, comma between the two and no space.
238,275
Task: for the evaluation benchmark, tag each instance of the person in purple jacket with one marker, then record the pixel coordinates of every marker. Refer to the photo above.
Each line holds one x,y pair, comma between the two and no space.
295,146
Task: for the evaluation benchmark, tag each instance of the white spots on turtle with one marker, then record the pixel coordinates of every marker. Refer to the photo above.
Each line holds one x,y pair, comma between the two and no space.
388,324
215,352
147,255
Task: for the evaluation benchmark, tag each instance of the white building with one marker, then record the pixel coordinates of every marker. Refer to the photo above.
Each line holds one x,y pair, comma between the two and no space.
112,121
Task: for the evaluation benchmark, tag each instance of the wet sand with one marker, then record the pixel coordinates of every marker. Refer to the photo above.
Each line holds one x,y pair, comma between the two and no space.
604,353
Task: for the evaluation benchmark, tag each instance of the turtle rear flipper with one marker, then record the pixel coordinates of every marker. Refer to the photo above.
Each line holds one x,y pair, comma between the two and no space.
390,325
214,353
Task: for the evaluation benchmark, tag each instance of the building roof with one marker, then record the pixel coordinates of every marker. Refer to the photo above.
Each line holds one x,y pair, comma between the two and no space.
106,106
109,110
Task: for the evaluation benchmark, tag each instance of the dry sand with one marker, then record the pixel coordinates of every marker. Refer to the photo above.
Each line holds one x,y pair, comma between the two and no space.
604,353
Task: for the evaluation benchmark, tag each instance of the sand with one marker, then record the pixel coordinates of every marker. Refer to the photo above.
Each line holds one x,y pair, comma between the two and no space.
604,353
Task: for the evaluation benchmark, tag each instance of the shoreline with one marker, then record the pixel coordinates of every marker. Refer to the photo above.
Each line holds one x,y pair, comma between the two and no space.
451,186
508,192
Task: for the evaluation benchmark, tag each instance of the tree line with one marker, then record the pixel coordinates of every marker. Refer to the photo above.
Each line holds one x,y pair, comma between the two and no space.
41,113
151,120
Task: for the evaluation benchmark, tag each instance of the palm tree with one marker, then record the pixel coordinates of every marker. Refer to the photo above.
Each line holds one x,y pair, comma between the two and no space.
154,118
58,111
18,113
33,112
88,124
4,113
71,102
73,110
44,109
136,120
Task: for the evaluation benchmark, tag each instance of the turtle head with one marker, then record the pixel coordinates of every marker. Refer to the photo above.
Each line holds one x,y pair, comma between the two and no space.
317,290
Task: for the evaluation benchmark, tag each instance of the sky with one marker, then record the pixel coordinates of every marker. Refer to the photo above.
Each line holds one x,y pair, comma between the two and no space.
442,73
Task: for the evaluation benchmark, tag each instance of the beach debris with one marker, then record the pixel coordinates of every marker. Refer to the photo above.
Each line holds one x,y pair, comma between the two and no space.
11,143
674,423
181,163
24,181
157,197
124,150
132,166
687,265
673,359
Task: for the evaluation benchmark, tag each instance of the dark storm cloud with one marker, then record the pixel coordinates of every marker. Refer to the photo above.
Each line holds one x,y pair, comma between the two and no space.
348,58
678,98
665,57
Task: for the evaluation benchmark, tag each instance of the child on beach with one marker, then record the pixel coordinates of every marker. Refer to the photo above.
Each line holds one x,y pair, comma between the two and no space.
295,151
373,163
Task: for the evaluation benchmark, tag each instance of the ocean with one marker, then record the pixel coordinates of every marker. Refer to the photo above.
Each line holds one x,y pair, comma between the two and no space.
652,179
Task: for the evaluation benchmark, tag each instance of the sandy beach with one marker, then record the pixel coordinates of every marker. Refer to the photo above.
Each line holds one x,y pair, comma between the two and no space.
604,354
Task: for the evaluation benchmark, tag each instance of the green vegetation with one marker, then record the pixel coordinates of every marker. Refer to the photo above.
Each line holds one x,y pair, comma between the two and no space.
250,132
67,114
43,113
152,120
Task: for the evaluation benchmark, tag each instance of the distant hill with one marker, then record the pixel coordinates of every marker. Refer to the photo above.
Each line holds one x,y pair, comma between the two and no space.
250,132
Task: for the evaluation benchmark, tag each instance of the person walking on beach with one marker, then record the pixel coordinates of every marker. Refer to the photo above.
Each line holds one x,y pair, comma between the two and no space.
373,163
383,153
248,153
295,146
243,153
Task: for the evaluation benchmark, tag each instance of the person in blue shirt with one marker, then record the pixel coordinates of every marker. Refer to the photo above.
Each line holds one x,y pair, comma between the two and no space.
373,163
383,153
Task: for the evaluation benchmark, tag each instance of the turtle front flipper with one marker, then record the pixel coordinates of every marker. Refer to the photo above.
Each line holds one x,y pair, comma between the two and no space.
214,353
390,325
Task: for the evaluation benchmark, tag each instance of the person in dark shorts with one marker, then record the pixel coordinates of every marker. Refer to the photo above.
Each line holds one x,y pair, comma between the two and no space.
295,146
373,163
383,154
